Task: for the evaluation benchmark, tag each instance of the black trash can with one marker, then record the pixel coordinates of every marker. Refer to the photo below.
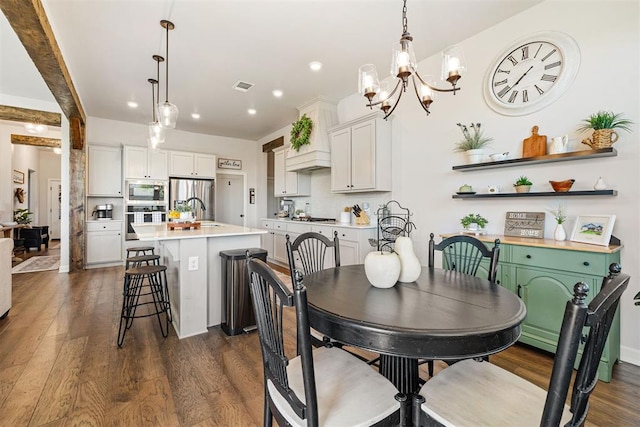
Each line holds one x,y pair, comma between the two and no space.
237,309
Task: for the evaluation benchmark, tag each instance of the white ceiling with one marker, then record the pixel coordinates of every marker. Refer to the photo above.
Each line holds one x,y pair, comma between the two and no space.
108,44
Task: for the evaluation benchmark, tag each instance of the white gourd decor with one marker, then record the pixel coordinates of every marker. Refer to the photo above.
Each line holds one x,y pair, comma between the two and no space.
382,268
410,265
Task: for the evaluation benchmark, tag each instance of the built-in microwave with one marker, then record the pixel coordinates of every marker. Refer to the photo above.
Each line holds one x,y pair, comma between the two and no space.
147,192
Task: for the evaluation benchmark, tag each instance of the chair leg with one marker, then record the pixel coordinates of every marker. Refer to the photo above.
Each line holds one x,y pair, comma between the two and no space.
430,368
417,410
268,417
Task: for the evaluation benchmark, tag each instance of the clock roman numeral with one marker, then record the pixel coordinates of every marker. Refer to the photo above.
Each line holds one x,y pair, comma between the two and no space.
513,96
501,82
548,55
525,96
513,60
548,78
525,53
538,51
540,91
552,65
503,71
504,91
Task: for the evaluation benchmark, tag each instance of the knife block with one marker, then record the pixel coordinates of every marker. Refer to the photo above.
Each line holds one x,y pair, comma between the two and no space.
363,219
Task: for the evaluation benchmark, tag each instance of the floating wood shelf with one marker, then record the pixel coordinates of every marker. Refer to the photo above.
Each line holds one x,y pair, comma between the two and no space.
538,194
549,158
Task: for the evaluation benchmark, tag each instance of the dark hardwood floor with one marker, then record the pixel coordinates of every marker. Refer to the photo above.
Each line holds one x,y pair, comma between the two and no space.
60,366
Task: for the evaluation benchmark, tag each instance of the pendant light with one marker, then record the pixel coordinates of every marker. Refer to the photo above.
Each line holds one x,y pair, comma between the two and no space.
167,112
156,132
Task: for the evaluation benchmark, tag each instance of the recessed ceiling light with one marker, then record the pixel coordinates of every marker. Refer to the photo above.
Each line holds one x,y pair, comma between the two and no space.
132,104
277,93
195,116
251,111
315,65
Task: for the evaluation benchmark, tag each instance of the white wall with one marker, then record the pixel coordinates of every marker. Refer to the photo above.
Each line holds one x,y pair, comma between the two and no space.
111,132
607,79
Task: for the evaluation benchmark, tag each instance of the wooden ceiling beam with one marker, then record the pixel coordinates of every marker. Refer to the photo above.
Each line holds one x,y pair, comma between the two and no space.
29,21
25,115
35,140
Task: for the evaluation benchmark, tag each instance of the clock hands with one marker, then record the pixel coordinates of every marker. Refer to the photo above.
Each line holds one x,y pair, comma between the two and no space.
522,76
506,89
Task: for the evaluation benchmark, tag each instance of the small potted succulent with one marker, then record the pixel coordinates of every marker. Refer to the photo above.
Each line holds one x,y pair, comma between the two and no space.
473,222
185,211
473,142
522,184
604,124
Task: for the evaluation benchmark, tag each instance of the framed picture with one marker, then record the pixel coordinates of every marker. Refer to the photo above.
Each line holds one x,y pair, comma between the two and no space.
594,229
18,177
229,164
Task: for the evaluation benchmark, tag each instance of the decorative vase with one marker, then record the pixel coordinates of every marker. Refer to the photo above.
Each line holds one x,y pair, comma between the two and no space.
600,184
559,233
382,268
410,267
601,138
474,156
522,188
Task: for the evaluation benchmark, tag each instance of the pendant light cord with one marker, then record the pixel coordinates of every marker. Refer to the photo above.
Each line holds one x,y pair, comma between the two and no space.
166,74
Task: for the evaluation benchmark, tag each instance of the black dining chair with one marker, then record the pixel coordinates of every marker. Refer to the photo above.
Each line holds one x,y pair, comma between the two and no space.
324,386
309,253
482,394
464,254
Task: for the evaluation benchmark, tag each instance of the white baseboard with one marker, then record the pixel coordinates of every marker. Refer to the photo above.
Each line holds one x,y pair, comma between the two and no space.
630,355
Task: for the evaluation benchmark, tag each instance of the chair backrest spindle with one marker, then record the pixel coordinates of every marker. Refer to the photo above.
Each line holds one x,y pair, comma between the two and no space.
465,255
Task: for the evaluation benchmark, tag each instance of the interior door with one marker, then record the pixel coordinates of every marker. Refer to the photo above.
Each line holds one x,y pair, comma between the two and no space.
230,199
54,208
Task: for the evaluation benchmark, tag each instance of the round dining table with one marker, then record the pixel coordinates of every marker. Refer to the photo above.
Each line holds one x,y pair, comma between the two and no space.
442,315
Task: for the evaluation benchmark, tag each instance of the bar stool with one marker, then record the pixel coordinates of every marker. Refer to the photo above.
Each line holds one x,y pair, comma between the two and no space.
141,250
138,261
144,281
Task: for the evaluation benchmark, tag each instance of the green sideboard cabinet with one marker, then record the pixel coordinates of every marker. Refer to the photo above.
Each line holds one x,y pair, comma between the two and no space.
543,272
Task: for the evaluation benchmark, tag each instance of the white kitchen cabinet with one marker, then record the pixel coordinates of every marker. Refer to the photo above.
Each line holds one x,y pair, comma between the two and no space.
104,242
104,171
354,242
192,164
285,183
275,241
361,155
142,163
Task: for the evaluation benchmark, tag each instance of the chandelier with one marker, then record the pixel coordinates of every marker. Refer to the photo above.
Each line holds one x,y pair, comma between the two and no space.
403,66
167,112
156,131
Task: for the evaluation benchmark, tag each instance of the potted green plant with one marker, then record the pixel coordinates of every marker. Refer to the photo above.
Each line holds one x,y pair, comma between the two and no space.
301,131
603,124
473,142
185,211
473,222
21,216
522,184
560,217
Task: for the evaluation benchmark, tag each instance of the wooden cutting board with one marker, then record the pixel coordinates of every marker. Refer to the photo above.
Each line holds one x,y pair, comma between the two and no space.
535,145
183,225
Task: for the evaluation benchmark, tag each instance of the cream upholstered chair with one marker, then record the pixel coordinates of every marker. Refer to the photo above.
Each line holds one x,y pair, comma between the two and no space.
6,254
325,386
472,393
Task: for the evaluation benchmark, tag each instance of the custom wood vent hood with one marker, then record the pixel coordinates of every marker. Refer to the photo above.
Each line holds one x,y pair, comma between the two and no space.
316,154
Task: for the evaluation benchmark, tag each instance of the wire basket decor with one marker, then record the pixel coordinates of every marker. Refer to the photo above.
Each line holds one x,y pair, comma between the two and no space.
393,221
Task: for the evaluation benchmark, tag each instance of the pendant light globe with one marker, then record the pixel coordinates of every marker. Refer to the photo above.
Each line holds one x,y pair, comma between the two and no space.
166,111
156,132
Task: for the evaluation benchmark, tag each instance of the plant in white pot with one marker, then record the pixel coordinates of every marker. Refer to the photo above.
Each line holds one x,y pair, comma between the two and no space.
559,215
522,184
473,142
473,222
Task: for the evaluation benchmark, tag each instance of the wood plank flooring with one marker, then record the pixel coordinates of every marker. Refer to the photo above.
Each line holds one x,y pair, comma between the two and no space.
60,365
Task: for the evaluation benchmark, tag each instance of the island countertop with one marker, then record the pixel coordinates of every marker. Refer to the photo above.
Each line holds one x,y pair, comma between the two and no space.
152,232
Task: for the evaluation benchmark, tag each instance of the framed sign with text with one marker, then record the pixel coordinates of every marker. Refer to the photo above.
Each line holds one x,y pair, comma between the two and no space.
524,224
229,164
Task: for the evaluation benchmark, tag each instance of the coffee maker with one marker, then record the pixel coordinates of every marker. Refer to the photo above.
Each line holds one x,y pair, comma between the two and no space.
103,211
287,208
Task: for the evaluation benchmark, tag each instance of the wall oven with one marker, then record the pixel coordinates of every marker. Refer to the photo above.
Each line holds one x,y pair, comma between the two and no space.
152,214
147,192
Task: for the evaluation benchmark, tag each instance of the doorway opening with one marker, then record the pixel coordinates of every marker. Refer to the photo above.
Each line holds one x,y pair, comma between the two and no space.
231,198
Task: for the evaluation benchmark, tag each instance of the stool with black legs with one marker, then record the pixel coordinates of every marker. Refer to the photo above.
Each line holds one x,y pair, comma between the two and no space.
141,250
145,286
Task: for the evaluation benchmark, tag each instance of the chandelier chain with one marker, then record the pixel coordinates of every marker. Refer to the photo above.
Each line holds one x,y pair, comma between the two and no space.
404,18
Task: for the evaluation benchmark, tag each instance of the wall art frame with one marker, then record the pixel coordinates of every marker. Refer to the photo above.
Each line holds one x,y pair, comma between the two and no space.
593,229
18,177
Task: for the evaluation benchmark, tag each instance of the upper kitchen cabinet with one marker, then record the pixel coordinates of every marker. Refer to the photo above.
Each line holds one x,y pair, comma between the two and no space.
285,183
142,163
105,171
194,165
361,155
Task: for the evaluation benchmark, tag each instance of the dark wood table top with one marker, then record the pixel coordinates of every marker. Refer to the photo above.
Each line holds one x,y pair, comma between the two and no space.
443,315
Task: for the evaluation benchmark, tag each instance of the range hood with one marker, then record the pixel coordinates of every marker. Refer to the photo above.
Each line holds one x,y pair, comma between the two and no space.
316,154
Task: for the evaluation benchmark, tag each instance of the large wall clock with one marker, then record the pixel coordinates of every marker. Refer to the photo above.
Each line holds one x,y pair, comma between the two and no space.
531,73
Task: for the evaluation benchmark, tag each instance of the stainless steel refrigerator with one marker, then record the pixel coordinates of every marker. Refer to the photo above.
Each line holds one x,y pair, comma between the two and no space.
199,193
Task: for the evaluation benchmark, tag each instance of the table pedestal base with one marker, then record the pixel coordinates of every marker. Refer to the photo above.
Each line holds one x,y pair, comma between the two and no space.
402,372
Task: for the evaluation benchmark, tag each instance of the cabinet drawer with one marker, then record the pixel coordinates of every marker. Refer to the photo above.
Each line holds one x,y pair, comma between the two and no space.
346,233
298,228
104,226
557,259
279,225
267,224
325,230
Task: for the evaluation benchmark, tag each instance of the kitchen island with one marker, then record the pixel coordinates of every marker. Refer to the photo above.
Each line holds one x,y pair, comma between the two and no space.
194,268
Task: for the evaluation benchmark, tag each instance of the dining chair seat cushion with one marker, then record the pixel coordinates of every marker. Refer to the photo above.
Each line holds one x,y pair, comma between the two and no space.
350,392
471,393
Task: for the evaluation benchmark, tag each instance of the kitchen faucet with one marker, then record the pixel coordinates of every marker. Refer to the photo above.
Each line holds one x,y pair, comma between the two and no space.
196,198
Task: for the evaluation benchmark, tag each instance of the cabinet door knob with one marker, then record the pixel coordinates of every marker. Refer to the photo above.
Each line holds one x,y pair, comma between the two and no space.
519,291
529,256
343,235
586,263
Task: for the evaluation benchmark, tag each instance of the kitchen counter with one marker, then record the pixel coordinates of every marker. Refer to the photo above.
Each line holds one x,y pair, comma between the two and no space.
332,224
194,269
